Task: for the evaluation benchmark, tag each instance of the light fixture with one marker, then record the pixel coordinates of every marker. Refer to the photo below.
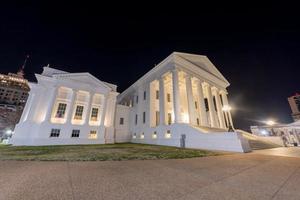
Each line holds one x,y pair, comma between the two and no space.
226,108
270,122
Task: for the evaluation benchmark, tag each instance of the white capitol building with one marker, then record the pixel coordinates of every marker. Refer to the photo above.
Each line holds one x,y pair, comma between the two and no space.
180,102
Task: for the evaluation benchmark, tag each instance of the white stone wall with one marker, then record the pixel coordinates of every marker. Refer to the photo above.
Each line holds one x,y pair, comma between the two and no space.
40,113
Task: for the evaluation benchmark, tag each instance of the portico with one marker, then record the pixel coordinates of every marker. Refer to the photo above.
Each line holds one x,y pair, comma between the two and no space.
180,102
180,97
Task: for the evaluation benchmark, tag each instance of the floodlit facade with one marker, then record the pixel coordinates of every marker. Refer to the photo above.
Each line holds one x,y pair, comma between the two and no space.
178,103
67,108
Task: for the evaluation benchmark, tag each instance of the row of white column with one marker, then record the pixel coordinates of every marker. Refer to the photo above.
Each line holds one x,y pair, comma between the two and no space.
71,106
216,117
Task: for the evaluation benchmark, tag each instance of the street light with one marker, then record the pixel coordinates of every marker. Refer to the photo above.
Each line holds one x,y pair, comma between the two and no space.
270,122
226,109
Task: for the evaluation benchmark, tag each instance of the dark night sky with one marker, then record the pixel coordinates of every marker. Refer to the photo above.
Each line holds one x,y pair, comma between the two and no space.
257,49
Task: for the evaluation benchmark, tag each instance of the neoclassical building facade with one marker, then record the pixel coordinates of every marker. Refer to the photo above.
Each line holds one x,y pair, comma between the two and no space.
67,108
180,102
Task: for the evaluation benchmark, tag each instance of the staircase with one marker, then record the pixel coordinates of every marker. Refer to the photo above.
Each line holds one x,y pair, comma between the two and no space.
256,143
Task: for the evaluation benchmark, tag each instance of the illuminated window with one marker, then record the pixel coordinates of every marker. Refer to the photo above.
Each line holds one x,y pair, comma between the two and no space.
78,112
169,118
134,136
154,135
55,132
142,136
93,134
61,110
75,133
94,115
168,134
169,97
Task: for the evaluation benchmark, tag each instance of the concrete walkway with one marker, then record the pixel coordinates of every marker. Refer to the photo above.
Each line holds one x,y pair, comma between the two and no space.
281,151
237,176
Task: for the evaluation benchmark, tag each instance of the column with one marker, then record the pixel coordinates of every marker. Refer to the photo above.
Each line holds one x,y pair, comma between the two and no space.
148,105
176,96
225,102
103,110
27,107
190,98
212,116
89,108
162,114
53,95
219,109
72,106
202,109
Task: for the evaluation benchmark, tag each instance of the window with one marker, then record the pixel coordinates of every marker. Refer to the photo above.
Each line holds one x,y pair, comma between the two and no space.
154,135
55,132
137,99
75,133
196,105
144,95
94,115
198,122
78,112
206,104
221,98
157,94
169,118
168,134
121,121
93,134
136,119
215,103
157,118
144,117
169,97
61,110
142,136
134,136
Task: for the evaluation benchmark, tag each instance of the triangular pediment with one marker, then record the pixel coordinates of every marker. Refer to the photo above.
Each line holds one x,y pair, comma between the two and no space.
85,78
203,63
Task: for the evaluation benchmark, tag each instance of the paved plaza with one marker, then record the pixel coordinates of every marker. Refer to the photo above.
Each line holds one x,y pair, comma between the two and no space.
236,176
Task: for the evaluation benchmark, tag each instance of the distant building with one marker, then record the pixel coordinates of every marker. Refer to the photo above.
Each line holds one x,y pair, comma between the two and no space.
294,102
14,91
288,134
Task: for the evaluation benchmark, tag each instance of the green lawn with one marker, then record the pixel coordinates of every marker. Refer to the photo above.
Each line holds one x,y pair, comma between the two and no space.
126,151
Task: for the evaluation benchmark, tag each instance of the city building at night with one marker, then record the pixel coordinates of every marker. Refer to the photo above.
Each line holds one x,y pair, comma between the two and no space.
181,102
14,91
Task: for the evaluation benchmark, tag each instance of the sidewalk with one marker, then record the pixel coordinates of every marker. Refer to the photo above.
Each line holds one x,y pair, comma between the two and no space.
236,176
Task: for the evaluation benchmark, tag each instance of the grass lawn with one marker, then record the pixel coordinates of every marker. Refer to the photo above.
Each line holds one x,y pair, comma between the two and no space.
127,151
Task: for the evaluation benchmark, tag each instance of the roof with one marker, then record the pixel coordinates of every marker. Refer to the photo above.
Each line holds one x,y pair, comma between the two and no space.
55,73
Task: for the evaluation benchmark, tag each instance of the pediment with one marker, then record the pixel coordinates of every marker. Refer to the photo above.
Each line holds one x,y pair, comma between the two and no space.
85,78
203,63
